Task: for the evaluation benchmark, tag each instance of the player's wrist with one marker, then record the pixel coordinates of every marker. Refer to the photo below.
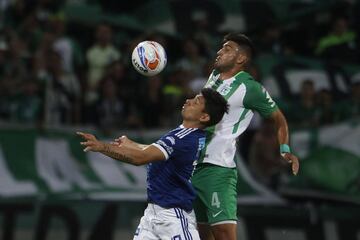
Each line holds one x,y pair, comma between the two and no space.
284,148
104,148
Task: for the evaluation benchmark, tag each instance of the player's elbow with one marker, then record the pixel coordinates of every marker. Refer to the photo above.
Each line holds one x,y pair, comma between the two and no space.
138,162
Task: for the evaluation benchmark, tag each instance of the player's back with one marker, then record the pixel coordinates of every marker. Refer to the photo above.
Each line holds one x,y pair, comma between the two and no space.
169,181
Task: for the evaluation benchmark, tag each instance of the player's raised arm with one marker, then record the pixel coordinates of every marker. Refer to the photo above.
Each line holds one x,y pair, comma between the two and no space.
126,151
283,138
125,139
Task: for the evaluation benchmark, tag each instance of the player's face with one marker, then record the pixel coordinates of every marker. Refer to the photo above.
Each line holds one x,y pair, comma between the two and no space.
227,56
194,108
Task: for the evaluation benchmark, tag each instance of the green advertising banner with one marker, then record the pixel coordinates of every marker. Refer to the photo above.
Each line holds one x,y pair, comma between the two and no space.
330,163
51,165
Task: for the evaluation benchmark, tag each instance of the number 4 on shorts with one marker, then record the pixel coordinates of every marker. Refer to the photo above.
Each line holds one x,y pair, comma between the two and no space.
215,200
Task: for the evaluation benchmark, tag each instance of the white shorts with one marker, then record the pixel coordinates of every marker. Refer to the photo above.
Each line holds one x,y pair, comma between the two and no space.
166,223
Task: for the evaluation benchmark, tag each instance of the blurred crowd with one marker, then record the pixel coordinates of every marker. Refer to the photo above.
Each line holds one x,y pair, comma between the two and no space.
54,72
49,77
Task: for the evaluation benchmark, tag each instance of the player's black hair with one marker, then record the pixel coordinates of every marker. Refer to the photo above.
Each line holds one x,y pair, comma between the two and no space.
243,41
215,105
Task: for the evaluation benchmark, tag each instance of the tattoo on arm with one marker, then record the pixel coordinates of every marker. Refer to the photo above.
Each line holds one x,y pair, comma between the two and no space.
117,156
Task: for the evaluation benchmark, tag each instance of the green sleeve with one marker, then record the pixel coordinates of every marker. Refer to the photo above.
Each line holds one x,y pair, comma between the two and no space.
258,99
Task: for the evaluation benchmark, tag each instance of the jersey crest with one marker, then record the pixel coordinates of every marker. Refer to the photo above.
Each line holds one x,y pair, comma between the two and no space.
225,89
171,139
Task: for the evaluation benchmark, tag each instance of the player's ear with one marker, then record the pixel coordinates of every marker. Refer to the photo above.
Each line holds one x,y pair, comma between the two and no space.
204,118
241,59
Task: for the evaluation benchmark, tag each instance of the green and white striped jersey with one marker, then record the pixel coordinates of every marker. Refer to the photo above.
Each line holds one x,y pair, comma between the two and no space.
244,95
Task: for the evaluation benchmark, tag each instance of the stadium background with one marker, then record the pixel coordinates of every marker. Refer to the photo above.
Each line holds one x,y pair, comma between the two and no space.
65,66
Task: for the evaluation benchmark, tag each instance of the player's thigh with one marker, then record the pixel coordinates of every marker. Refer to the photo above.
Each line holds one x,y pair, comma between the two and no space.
177,224
224,231
199,180
216,188
200,209
205,231
145,230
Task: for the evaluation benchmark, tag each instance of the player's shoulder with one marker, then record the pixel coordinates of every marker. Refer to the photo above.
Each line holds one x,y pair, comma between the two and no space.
186,134
249,81
246,77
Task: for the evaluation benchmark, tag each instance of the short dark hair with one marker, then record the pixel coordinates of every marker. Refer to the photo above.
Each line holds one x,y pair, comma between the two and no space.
215,105
243,41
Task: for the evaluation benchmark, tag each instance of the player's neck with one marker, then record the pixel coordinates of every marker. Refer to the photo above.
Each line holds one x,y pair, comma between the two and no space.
191,124
229,74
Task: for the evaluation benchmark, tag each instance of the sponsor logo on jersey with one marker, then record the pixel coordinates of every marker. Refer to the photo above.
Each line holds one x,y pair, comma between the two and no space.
216,214
200,146
225,89
168,149
171,139
201,143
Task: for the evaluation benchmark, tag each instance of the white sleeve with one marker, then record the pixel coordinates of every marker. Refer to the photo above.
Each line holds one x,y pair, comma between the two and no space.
161,148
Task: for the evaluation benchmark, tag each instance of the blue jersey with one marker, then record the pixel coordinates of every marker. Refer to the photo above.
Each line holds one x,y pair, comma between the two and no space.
168,181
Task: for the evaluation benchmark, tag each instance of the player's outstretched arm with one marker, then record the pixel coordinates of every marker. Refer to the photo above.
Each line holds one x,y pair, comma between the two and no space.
125,152
283,138
125,139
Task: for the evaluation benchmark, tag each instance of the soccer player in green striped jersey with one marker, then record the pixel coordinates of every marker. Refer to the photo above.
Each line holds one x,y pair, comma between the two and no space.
215,176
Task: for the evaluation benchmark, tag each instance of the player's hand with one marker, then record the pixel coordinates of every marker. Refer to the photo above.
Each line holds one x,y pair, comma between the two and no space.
293,160
124,140
90,143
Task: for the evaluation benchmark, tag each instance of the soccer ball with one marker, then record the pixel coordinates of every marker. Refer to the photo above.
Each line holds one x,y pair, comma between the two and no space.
149,58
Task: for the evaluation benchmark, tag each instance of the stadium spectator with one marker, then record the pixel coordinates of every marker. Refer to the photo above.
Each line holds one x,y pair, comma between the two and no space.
62,93
109,109
350,107
70,53
197,83
326,109
340,44
175,92
100,55
192,62
27,104
270,40
302,114
152,101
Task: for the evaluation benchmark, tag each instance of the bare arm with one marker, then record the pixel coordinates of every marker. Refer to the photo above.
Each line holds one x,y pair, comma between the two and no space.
121,139
283,138
126,151
281,126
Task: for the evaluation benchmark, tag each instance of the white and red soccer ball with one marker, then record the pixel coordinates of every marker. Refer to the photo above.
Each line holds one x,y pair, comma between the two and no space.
149,58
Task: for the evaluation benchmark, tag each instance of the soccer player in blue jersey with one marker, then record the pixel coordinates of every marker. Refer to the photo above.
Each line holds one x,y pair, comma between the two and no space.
169,214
